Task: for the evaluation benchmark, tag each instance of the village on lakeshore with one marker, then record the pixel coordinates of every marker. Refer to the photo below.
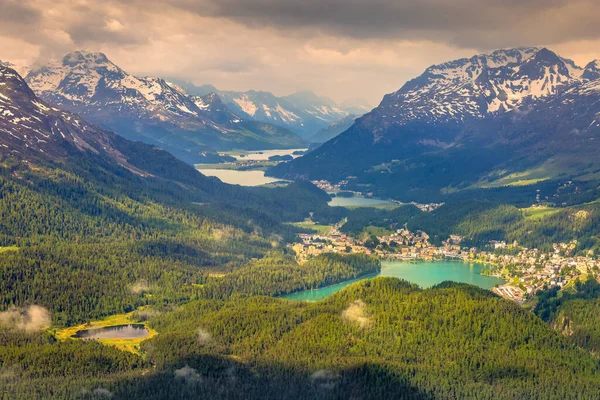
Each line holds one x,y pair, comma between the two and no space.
526,271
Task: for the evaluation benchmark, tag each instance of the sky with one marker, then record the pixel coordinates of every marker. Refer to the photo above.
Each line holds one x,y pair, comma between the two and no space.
343,49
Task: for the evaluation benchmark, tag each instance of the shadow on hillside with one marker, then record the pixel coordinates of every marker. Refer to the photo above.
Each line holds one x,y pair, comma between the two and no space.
211,377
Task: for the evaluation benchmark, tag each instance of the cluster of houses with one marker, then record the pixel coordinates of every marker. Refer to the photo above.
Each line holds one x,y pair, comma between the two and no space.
429,207
328,186
530,270
400,245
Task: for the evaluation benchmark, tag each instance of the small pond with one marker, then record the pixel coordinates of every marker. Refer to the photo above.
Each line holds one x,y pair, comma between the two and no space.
131,331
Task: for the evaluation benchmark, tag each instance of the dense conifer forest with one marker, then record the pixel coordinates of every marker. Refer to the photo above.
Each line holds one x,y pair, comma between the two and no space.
377,338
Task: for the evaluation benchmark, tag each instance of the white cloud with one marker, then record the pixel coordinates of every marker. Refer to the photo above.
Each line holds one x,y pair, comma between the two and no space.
187,374
103,393
29,319
204,336
357,313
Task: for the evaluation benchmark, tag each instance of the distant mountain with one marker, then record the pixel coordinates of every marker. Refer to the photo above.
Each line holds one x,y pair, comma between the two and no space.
334,129
356,106
510,117
149,109
302,112
46,138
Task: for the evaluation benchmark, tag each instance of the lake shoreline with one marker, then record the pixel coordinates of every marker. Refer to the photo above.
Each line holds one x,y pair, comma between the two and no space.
394,269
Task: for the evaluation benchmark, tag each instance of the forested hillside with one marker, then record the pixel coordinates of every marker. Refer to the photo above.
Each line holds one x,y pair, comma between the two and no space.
76,244
377,338
573,312
480,221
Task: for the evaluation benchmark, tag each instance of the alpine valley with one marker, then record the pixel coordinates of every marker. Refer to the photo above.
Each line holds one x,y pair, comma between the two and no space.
510,118
126,273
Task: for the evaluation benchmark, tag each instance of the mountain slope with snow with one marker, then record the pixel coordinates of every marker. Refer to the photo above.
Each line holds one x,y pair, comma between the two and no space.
32,130
473,88
469,122
148,109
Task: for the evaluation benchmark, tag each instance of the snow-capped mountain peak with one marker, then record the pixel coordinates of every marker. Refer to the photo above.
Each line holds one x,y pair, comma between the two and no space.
214,109
303,112
592,70
480,85
83,79
21,69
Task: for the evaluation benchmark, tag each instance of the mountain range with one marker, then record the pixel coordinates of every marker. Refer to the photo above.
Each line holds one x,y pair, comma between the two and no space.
57,154
151,110
304,113
44,139
512,117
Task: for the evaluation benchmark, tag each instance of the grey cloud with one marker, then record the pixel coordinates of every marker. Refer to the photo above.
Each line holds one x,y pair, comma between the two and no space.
17,12
17,18
339,48
94,30
102,393
465,23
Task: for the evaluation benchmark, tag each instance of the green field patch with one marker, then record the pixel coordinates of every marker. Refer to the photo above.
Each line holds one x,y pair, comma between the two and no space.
559,166
524,178
321,229
374,231
537,213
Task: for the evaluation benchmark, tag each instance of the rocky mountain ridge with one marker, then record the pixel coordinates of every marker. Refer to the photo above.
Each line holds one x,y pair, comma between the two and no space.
149,109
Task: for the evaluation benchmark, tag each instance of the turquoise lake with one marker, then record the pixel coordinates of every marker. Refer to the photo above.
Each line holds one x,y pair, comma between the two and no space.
424,274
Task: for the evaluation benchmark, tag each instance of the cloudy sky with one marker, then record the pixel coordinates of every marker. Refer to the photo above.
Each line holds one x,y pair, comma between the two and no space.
343,49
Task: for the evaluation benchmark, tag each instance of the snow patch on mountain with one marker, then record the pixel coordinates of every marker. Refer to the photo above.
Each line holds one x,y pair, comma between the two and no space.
30,127
303,112
246,105
285,115
480,85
